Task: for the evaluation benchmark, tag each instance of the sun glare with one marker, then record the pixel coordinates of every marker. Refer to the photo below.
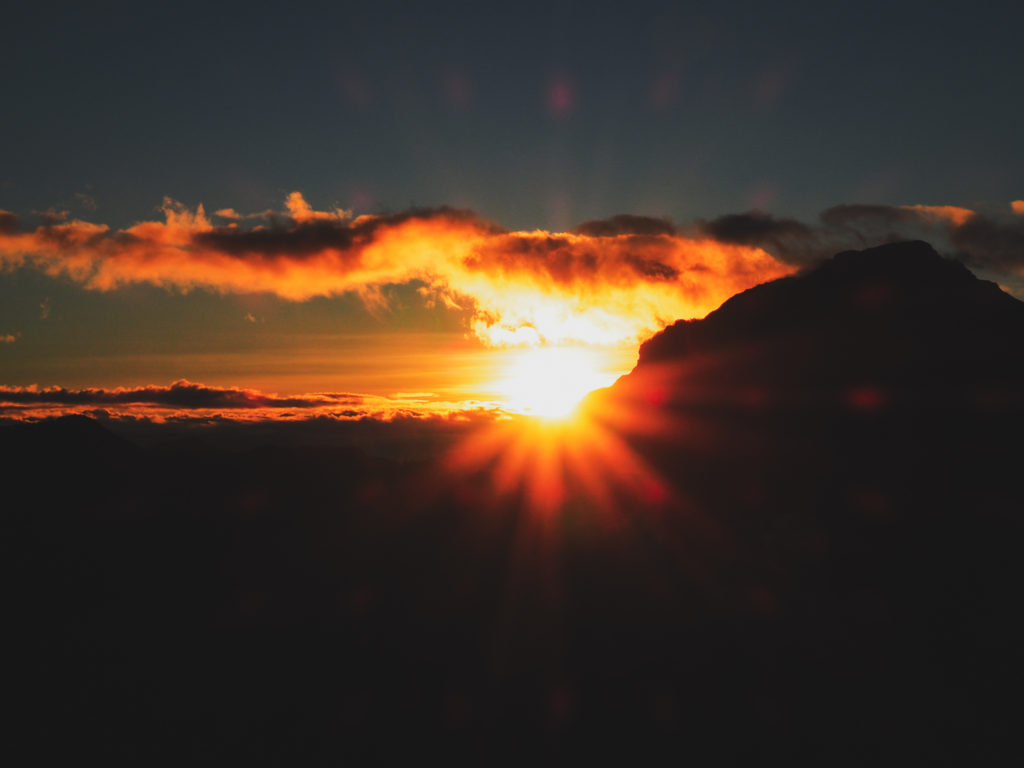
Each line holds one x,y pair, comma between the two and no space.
549,382
554,454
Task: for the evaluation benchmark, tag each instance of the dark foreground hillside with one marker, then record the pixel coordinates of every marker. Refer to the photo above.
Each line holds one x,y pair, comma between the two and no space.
829,570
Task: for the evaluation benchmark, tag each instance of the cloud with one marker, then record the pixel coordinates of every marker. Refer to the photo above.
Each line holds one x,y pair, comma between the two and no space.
8,338
614,280
1017,206
182,393
54,215
625,224
894,222
987,241
610,281
788,239
8,223
86,200
952,213
991,243
188,400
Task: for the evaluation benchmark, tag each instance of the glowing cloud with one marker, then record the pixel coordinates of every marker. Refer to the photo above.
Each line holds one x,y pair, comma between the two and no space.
601,284
952,213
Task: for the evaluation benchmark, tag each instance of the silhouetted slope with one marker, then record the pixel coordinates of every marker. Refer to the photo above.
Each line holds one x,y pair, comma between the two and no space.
65,436
897,316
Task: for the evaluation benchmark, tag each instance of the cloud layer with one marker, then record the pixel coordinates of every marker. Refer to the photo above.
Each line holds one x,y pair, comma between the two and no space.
185,400
608,281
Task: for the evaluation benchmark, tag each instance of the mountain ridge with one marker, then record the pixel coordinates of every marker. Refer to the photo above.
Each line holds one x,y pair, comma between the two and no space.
899,317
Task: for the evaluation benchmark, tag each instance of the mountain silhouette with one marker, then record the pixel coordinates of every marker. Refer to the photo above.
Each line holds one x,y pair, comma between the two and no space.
878,394
898,318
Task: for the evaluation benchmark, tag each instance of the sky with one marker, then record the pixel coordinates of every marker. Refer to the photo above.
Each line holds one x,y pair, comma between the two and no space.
397,205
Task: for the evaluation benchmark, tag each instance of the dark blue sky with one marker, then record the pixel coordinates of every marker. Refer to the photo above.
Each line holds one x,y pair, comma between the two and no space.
534,116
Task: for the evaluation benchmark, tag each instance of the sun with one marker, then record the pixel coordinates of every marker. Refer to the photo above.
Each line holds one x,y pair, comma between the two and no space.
549,453
550,382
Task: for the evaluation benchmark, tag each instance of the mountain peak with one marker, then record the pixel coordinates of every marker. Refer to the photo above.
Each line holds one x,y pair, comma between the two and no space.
913,261
898,314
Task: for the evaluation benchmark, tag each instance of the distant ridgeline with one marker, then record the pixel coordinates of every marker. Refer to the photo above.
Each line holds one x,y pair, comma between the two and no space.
832,574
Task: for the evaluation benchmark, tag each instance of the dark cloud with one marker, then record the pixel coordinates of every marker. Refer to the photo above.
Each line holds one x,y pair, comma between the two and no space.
53,217
859,216
558,258
651,268
180,394
982,240
570,261
86,200
8,222
987,242
752,228
304,236
790,240
296,239
991,243
626,224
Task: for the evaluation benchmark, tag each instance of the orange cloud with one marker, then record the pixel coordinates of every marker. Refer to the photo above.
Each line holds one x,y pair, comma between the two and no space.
599,284
952,213
1018,206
